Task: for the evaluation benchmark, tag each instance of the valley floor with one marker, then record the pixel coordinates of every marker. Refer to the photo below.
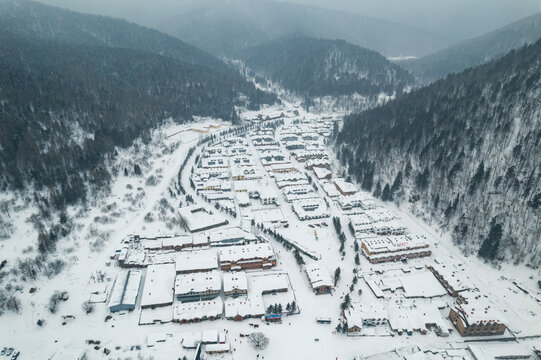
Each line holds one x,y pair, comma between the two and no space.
133,207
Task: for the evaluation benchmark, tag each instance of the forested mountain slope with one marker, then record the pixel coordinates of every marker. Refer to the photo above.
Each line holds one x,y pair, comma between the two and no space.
467,148
228,26
317,67
26,17
476,51
64,107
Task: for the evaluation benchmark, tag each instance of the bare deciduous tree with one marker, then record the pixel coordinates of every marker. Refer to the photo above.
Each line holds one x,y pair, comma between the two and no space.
258,340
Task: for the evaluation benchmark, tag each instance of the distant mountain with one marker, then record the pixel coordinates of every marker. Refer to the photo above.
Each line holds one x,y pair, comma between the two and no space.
315,68
224,27
64,108
476,51
464,150
32,18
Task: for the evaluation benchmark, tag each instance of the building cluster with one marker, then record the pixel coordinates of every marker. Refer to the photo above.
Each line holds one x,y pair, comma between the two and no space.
192,288
141,251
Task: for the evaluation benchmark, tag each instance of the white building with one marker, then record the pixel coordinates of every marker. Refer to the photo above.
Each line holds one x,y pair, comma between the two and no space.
196,261
159,286
198,286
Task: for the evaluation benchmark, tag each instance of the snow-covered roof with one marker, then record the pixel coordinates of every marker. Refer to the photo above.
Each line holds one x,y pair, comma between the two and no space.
118,289
365,311
317,275
132,287
344,186
244,307
267,282
500,351
246,252
236,280
479,309
379,214
195,283
378,245
421,284
229,235
198,310
210,336
360,219
330,189
310,208
188,261
457,277
217,347
159,282
321,172
197,218
179,240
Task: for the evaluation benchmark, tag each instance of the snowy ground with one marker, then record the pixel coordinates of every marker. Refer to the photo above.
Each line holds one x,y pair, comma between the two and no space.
126,210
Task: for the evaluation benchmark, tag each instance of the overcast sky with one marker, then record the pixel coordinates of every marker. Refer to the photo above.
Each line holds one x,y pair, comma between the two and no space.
457,19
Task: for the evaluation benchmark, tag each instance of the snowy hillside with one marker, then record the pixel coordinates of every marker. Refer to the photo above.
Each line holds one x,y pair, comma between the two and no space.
466,151
327,74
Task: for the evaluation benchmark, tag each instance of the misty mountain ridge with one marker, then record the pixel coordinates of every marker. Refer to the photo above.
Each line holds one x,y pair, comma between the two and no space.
316,68
26,17
226,27
467,150
476,51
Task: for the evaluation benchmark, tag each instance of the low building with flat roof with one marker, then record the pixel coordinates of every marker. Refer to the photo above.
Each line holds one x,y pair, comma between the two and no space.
125,291
196,261
319,278
395,248
159,286
197,286
196,218
235,284
190,312
473,314
251,256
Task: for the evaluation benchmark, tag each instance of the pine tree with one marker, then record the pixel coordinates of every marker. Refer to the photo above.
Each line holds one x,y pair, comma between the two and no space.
386,193
336,275
489,248
397,183
476,179
377,191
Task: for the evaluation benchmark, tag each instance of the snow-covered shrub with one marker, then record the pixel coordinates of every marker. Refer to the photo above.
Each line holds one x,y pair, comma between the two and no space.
151,181
88,307
54,268
55,298
9,302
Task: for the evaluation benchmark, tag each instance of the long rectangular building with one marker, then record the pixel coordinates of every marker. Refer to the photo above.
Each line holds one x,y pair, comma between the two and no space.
159,286
196,261
198,286
198,311
395,248
251,256
125,292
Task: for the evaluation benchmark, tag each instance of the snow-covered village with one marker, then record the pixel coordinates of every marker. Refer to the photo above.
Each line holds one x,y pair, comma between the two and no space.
248,242
270,180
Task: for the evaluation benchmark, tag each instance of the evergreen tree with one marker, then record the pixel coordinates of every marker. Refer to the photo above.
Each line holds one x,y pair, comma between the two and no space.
337,275
397,183
386,193
489,248
477,178
377,191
